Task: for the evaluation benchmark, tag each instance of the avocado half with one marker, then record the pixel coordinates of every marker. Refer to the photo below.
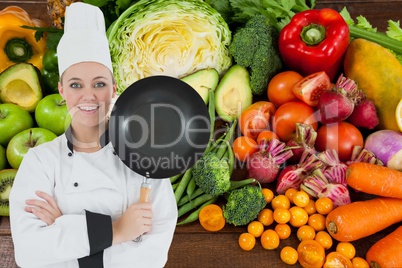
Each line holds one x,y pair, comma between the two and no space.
203,81
233,93
21,84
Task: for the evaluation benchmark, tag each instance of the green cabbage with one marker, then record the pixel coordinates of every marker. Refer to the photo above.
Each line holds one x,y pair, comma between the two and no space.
167,37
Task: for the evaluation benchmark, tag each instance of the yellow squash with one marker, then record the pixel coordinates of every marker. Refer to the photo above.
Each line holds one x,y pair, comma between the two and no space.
379,74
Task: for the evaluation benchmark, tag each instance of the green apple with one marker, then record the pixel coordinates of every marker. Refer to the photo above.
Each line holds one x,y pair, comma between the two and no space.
3,159
52,113
23,141
13,119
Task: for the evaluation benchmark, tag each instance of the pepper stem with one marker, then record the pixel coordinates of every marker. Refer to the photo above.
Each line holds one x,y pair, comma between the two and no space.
313,34
18,50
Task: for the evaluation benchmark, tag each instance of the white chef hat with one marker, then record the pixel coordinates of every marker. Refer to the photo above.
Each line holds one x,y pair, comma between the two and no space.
84,38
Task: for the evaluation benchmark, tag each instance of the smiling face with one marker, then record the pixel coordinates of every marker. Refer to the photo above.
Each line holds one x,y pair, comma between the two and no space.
88,88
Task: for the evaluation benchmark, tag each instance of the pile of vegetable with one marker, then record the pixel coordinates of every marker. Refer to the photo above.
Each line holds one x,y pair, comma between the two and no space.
311,120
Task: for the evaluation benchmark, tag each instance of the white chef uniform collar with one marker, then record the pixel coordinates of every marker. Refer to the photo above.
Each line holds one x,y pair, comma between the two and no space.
84,38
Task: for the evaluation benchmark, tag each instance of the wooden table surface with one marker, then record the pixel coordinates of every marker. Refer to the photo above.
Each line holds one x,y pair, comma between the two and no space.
192,246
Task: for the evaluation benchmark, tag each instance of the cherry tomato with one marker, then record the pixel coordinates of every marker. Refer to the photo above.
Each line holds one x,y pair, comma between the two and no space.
336,259
290,113
305,232
269,239
243,147
281,215
311,254
324,205
283,230
289,255
289,193
346,249
310,87
317,221
256,118
301,199
280,87
298,216
268,194
266,135
359,262
266,216
246,241
280,201
341,136
324,238
255,228
310,208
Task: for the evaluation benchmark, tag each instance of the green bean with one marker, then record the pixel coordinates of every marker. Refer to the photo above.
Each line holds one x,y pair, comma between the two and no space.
211,112
174,185
241,183
183,184
231,158
195,203
186,198
191,186
194,215
176,177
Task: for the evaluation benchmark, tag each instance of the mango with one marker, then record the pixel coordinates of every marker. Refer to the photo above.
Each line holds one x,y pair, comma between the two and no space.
379,74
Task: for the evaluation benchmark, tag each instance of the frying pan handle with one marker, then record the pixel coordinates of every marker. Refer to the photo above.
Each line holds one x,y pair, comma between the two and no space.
145,192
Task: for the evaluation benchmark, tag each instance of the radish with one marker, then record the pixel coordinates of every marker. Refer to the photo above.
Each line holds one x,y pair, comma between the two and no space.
303,141
292,176
337,104
264,164
364,115
387,146
317,185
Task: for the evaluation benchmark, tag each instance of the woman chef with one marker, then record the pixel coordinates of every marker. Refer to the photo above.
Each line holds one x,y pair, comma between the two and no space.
73,202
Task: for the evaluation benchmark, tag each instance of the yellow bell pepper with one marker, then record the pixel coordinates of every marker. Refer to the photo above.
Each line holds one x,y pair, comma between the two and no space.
18,44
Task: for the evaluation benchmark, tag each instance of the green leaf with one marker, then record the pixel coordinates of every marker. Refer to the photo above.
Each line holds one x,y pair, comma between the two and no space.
346,16
98,3
394,30
363,23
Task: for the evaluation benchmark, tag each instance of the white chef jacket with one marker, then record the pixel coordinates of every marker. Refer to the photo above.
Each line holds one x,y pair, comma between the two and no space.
90,190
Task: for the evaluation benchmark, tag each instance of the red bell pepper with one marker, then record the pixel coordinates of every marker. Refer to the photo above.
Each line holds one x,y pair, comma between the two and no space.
315,40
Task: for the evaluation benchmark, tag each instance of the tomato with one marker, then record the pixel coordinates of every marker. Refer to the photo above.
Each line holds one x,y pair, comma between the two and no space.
305,232
269,239
310,87
266,135
317,221
324,238
347,249
283,230
341,136
266,216
301,199
246,241
243,147
311,254
256,118
280,87
336,259
280,201
289,255
268,194
211,218
290,113
289,193
324,205
255,228
310,208
281,215
298,216
359,262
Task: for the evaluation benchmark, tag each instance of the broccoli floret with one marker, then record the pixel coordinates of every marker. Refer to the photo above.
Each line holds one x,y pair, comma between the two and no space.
243,205
212,174
255,47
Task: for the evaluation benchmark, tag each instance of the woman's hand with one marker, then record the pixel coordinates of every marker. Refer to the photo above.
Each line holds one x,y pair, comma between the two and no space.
46,210
135,221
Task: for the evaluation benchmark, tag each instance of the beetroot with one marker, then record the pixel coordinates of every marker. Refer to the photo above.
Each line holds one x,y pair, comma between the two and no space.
303,141
264,164
364,115
317,185
333,169
292,176
337,104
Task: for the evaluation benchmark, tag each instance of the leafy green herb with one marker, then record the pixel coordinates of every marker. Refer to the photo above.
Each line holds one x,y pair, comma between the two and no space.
391,40
52,38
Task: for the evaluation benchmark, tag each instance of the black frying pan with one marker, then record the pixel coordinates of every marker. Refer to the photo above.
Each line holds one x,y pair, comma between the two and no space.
159,126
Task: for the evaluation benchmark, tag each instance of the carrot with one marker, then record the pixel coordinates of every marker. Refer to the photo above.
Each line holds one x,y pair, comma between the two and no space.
374,179
363,218
387,252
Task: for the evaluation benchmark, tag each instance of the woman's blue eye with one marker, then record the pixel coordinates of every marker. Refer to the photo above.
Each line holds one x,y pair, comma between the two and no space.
100,84
75,85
